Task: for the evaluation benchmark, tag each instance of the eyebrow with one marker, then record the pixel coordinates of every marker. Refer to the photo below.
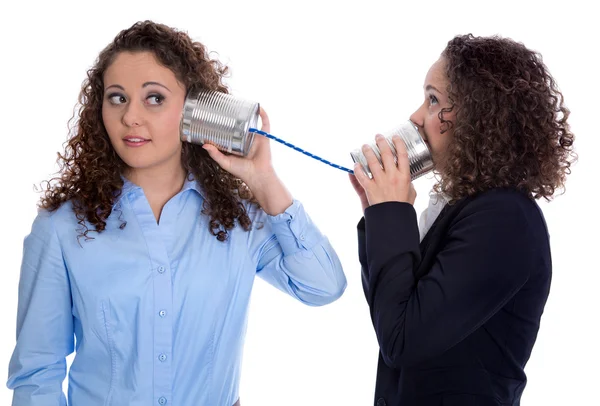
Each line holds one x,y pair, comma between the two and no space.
144,85
429,87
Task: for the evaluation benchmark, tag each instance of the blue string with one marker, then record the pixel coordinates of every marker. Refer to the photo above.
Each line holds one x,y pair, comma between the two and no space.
254,130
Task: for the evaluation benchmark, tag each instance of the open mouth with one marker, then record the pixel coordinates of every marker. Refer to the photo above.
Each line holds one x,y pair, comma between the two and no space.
135,141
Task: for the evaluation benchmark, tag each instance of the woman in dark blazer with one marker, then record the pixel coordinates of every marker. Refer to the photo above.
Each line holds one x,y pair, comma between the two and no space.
457,313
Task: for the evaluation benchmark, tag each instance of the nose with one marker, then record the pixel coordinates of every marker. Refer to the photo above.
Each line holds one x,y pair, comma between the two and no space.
418,118
133,115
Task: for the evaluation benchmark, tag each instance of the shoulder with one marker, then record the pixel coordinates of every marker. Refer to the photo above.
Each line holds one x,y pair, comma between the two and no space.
48,223
501,209
503,200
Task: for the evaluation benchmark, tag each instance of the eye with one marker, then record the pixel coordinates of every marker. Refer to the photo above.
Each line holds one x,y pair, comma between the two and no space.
432,100
116,98
155,99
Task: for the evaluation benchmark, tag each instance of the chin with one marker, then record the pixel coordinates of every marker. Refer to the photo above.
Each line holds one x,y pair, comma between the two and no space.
138,163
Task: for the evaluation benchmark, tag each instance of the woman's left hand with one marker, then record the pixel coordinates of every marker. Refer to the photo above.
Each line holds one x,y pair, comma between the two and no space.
256,170
392,183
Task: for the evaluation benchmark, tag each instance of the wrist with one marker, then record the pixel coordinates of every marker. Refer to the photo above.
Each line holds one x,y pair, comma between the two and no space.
271,194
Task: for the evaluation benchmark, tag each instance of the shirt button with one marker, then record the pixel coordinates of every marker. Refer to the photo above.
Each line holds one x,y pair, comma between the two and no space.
161,269
302,237
162,400
162,357
162,313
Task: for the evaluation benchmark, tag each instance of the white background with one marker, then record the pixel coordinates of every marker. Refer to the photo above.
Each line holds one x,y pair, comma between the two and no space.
330,74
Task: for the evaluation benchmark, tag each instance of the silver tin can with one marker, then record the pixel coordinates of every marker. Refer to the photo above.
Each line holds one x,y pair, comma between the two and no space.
219,119
419,155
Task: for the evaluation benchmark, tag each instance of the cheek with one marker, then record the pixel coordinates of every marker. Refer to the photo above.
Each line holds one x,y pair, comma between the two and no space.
434,126
447,138
110,121
169,124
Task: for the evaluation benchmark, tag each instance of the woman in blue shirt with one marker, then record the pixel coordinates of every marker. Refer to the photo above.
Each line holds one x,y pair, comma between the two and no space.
146,248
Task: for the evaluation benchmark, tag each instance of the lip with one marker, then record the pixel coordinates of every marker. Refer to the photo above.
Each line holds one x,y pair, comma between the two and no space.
135,141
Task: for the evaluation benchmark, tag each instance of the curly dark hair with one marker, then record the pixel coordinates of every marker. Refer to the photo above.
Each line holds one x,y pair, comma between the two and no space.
90,169
510,127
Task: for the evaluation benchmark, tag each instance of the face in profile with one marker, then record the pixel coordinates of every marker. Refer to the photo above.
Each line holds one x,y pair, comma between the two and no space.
427,115
141,111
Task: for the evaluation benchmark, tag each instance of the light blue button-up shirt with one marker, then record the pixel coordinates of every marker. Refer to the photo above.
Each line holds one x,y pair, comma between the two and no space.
158,311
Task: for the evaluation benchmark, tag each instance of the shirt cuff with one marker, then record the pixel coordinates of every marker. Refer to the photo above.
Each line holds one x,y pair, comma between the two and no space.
294,229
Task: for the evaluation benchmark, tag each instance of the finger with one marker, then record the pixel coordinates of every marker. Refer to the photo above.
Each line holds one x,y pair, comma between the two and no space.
259,141
355,184
387,157
361,177
260,147
223,160
353,180
402,155
264,118
373,162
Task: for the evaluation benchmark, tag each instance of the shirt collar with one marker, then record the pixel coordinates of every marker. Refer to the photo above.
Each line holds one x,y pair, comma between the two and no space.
189,184
193,184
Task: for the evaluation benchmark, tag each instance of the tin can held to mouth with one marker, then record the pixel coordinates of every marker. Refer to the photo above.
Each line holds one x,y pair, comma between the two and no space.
219,119
419,155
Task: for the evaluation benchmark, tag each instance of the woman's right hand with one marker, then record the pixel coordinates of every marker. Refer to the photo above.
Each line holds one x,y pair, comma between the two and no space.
360,191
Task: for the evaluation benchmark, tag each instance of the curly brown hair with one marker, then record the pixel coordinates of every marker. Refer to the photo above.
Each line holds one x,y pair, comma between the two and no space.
90,169
510,127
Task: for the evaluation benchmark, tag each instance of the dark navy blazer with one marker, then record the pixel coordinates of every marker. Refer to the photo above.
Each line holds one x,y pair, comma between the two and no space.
455,315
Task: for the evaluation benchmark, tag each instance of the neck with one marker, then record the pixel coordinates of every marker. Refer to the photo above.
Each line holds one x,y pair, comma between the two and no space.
159,181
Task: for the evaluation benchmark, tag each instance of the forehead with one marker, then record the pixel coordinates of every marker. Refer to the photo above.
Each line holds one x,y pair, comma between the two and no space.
436,76
134,69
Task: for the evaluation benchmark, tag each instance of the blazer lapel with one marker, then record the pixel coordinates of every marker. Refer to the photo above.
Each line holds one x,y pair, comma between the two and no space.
436,234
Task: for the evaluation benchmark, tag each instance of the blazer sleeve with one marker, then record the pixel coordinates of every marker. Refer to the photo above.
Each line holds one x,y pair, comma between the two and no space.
44,321
485,260
362,257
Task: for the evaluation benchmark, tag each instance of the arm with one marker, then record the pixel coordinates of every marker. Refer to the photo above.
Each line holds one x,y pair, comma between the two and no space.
290,251
295,257
484,262
44,321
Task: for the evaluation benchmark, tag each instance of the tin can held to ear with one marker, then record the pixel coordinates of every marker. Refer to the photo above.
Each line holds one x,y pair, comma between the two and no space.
419,155
219,119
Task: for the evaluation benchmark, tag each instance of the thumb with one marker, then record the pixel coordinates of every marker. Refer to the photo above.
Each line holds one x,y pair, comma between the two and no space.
357,186
360,177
